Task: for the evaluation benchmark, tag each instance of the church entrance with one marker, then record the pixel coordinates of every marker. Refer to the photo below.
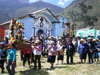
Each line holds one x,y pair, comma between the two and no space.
40,32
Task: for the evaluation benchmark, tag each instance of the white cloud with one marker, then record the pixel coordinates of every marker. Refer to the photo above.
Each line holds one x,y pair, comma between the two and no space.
62,2
67,0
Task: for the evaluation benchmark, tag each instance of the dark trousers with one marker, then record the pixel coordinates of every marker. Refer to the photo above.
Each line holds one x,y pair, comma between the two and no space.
2,65
9,63
90,57
37,58
32,57
26,57
71,58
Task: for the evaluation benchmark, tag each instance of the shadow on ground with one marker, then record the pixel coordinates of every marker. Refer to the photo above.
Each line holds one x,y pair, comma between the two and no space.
33,72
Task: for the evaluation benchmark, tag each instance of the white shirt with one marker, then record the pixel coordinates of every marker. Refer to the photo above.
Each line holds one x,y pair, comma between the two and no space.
36,52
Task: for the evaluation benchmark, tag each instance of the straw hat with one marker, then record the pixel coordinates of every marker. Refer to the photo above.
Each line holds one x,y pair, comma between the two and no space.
82,40
25,39
37,41
52,42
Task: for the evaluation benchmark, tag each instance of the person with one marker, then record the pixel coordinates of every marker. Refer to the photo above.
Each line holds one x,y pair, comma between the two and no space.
60,52
82,51
52,50
11,59
98,48
2,57
90,52
70,51
6,40
26,56
32,46
95,51
37,54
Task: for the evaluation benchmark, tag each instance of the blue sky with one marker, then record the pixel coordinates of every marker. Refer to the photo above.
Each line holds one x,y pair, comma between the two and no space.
61,3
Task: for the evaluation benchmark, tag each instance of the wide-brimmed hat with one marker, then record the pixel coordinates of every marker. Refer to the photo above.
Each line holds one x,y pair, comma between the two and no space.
82,40
89,38
52,42
37,41
25,39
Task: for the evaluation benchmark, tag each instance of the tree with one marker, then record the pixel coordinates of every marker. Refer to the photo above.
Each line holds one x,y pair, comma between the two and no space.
83,15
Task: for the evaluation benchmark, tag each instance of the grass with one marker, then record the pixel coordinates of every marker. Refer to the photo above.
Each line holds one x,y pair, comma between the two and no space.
65,69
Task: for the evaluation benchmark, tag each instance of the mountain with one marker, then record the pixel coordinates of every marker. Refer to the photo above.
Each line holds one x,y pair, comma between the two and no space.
37,6
17,8
74,6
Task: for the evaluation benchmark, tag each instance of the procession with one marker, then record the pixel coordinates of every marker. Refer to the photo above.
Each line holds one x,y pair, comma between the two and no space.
44,37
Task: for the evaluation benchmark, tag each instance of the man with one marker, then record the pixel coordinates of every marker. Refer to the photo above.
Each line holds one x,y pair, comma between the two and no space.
3,56
70,51
90,51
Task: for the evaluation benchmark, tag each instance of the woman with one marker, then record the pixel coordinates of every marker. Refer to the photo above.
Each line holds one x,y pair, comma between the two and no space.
37,54
60,52
11,59
26,56
52,54
82,51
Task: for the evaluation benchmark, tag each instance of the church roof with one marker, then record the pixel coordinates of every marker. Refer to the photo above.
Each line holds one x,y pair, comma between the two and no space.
46,12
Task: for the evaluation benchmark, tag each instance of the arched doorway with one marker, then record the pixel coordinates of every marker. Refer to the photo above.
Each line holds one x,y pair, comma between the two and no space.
40,32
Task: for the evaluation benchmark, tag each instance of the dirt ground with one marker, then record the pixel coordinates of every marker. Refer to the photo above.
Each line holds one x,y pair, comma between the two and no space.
65,69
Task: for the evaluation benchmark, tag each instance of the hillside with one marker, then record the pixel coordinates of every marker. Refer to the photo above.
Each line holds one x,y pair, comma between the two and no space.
75,7
17,8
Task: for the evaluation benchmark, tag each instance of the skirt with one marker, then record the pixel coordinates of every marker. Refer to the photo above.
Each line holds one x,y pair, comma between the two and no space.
83,56
60,57
51,59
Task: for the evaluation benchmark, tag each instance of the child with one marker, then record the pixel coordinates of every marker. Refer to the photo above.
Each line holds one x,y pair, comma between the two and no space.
11,59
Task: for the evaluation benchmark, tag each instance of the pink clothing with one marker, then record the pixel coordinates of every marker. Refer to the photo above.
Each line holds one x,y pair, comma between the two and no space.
40,48
52,51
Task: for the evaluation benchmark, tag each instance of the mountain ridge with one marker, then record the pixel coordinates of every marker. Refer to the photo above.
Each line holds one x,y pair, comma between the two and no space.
15,8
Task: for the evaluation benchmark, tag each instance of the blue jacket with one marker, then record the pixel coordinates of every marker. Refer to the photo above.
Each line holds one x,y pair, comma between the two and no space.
11,54
81,49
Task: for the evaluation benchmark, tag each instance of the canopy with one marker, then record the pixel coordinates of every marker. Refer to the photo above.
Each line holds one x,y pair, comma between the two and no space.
87,32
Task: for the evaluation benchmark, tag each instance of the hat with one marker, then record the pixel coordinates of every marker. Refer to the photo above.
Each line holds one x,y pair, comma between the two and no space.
82,40
94,39
52,42
37,41
59,38
25,39
50,38
1,43
89,38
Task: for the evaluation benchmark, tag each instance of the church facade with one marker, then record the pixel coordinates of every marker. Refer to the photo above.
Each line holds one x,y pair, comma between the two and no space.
41,22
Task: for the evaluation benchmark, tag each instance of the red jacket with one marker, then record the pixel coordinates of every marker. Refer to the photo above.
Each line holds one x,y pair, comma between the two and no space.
27,51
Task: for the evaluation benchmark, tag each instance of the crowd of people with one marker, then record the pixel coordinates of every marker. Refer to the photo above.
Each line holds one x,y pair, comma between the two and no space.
87,48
